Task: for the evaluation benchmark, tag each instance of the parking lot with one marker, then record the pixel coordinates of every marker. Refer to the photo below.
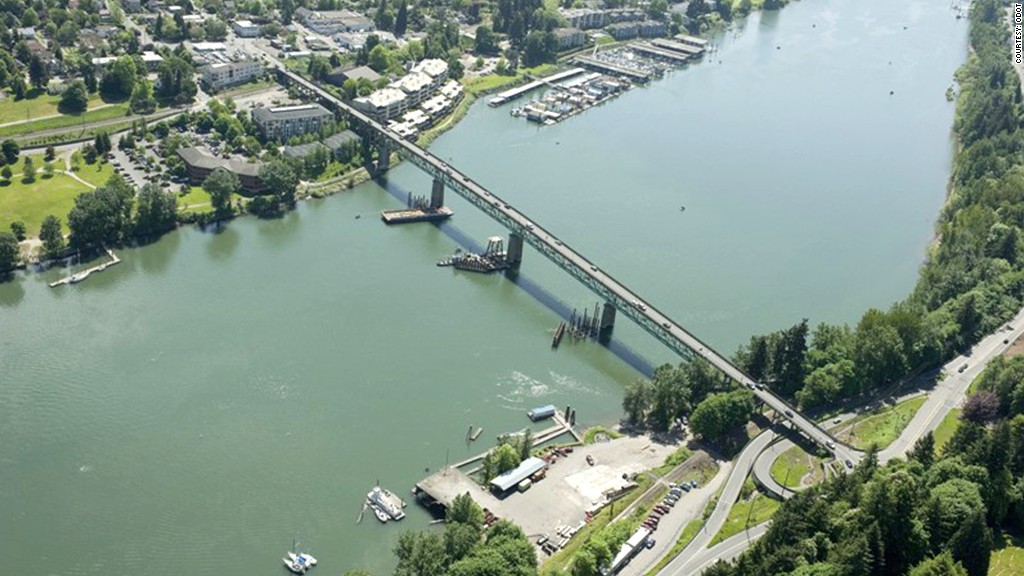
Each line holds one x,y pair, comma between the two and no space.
572,486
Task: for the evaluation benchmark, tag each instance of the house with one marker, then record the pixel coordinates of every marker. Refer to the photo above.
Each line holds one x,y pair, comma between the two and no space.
246,29
106,32
91,41
301,150
223,74
152,60
569,38
383,104
283,122
200,163
339,75
344,145
132,6
623,30
435,68
651,29
583,18
27,33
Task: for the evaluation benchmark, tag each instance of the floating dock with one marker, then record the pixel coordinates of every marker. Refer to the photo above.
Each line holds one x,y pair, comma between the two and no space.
512,94
676,57
79,276
676,46
407,215
609,68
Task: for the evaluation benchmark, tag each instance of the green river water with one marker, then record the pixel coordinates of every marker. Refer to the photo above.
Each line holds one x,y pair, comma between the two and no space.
216,395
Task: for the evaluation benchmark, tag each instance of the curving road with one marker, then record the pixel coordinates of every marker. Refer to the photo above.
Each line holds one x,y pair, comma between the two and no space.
943,397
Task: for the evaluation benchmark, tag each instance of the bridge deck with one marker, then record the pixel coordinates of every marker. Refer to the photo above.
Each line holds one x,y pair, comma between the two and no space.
627,302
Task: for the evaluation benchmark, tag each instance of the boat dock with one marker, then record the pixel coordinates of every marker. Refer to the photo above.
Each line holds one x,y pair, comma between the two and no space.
610,68
545,435
406,215
644,48
512,94
79,276
676,46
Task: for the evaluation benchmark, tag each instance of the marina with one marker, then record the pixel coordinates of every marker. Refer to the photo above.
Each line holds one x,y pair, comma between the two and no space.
567,101
514,93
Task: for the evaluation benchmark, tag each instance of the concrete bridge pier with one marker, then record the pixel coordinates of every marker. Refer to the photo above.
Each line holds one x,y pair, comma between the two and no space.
514,254
604,333
383,156
437,193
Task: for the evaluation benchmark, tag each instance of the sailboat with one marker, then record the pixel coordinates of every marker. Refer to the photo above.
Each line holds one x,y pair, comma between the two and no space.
298,562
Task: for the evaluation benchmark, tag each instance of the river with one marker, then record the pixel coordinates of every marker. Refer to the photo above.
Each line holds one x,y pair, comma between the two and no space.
218,394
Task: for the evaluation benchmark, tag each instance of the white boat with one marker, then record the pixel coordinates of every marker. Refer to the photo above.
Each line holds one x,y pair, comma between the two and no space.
299,563
384,501
381,515
78,277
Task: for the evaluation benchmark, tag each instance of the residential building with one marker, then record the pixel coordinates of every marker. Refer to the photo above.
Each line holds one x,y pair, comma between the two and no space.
246,29
452,90
200,163
281,123
339,75
27,33
651,29
436,68
356,40
383,104
209,46
583,18
221,75
301,150
623,30
416,85
132,6
569,38
623,15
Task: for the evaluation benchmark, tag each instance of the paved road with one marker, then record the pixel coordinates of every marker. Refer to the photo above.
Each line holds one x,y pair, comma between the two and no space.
946,395
628,303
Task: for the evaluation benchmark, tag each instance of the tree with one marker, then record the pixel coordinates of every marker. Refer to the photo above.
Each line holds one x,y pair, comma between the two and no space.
721,413
142,100
380,58
176,82
465,510
420,554
75,99
280,180
48,170
101,215
18,229
941,565
215,29
51,236
119,78
486,41
102,143
10,151
38,74
50,154
459,540
28,172
9,252
156,210
636,402
972,545
18,87
221,185
6,173
924,450
402,19
981,407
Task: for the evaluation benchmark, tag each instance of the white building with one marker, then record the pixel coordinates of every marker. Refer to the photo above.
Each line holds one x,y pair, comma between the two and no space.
283,122
383,104
330,22
246,29
222,75
416,85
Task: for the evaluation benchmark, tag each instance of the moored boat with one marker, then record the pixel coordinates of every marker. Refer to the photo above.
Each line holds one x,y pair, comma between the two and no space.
299,563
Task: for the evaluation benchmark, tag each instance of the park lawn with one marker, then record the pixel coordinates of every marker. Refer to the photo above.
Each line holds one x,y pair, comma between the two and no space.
494,81
793,465
197,200
96,173
760,508
65,121
12,110
1007,556
30,203
946,429
881,426
682,454
590,436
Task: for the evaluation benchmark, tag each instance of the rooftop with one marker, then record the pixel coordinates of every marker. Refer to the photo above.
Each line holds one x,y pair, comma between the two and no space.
290,112
384,97
432,67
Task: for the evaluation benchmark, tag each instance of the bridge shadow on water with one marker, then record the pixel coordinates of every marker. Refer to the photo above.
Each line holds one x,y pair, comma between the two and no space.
531,287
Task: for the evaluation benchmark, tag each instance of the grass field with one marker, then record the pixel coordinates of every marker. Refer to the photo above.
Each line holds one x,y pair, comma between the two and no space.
197,200
593,431
494,81
760,508
37,106
881,426
66,121
793,464
1007,556
32,202
946,429
96,173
